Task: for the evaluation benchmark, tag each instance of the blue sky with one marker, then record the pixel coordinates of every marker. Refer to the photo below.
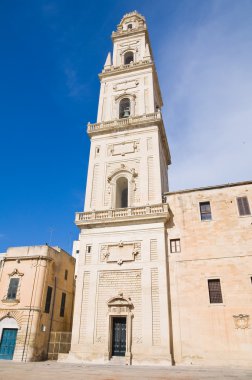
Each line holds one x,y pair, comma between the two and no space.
51,54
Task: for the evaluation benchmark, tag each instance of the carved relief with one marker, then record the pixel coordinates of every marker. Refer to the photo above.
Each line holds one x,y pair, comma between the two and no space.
125,85
123,148
129,169
120,252
241,321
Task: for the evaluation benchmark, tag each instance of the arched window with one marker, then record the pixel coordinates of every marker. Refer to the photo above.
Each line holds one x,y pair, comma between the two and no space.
124,108
128,58
129,26
122,192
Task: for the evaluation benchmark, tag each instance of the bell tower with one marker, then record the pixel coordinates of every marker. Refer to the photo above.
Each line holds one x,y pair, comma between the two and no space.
121,306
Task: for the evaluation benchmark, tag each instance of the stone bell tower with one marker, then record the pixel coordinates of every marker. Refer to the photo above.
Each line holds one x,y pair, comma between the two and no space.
121,307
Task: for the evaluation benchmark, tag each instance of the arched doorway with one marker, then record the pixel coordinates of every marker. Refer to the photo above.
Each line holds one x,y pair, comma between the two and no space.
8,336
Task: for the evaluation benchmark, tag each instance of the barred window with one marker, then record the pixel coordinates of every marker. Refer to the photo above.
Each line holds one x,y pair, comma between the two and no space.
48,299
175,245
205,211
62,305
214,288
243,206
13,287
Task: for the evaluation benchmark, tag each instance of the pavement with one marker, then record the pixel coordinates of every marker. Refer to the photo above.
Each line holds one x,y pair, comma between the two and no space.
50,370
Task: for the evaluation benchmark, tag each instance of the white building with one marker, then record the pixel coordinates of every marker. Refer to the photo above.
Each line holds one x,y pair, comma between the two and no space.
152,264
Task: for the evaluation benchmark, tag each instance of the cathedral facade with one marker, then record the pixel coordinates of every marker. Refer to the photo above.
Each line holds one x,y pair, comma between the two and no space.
162,277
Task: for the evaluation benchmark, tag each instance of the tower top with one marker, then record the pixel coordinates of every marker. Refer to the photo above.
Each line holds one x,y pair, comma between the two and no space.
130,23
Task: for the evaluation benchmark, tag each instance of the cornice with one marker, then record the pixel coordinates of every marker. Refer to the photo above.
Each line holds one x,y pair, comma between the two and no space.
133,66
133,122
129,215
128,32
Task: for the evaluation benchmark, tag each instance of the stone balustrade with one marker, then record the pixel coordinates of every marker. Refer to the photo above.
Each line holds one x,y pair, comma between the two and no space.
132,65
120,123
115,215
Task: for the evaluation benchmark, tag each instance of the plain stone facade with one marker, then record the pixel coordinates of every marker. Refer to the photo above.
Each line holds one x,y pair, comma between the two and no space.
35,268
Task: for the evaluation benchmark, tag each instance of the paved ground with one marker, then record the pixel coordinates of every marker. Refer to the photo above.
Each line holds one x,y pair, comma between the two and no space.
63,371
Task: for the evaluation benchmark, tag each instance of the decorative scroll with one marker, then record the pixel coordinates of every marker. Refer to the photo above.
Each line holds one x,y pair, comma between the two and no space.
241,321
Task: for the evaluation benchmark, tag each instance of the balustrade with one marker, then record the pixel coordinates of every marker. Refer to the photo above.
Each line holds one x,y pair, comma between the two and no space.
92,216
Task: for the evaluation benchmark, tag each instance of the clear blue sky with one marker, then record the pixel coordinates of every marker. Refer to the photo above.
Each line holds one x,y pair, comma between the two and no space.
51,54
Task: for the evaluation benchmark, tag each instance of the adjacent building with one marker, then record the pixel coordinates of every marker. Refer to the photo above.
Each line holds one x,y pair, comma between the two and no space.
162,277
36,299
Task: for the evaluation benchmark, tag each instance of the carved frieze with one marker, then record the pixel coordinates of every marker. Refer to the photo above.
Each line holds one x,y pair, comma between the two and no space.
120,252
241,321
123,148
126,85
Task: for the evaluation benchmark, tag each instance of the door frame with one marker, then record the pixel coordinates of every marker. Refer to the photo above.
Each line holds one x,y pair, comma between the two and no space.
120,307
112,333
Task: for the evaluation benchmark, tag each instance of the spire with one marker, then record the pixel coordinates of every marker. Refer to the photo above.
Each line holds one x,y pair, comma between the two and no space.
147,52
108,60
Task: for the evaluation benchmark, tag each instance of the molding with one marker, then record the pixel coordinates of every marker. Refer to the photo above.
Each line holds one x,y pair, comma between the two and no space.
153,213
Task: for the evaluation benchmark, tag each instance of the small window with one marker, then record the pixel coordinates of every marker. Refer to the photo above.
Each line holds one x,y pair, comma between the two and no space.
13,287
214,288
130,26
62,305
124,108
205,211
97,151
175,245
77,251
128,57
89,248
48,299
66,274
243,206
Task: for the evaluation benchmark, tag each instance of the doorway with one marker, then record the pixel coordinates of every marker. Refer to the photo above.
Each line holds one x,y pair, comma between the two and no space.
8,343
118,336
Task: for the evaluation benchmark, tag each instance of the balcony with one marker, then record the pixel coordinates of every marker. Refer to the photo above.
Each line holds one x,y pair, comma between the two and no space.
117,124
139,65
158,212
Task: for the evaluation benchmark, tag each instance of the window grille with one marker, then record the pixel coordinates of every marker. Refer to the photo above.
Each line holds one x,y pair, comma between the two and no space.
48,299
214,288
13,287
62,305
205,211
243,206
175,245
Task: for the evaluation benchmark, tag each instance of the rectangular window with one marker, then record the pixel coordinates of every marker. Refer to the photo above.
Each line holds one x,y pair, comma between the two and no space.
66,274
13,287
48,299
62,305
205,211
175,245
243,206
214,288
89,248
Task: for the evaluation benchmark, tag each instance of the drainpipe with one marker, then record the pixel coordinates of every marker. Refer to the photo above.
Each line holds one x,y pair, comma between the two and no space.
29,316
50,328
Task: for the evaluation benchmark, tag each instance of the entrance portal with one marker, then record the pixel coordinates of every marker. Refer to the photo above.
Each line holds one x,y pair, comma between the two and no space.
8,343
119,337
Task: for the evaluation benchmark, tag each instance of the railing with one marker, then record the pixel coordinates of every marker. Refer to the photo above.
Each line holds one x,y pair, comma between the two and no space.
92,216
132,120
109,69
